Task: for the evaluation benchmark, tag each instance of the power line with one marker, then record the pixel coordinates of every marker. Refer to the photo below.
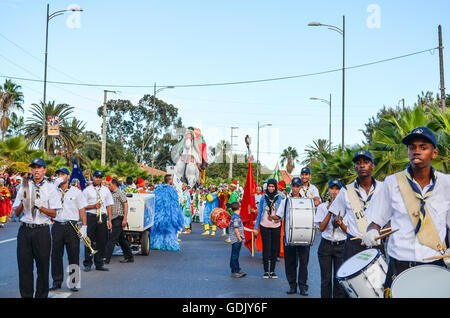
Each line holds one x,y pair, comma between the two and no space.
230,83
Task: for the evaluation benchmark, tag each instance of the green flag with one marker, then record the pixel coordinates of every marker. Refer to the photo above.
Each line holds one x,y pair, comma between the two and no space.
276,174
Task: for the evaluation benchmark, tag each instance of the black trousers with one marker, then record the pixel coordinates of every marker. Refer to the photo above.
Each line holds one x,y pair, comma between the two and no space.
117,236
331,255
33,245
293,257
63,235
98,233
271,246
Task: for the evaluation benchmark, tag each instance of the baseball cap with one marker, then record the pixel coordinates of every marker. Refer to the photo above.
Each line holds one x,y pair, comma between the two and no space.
98,173
63,170
296,181
422,132
38,162
306,170
334,182
363,153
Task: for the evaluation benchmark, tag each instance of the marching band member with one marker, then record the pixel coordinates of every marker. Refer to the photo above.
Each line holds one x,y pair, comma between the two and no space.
416,202
294,255
100,203
33,238
353,200
331,248
63,234
309,190
269,227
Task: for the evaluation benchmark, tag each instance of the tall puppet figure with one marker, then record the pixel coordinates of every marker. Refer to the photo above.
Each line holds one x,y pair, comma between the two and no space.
212,202
169,218
190,158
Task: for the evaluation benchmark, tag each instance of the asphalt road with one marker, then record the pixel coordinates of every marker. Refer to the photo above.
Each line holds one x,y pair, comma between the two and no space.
199,270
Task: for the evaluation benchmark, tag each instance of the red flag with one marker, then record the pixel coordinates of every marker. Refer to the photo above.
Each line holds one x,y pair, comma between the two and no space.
248,204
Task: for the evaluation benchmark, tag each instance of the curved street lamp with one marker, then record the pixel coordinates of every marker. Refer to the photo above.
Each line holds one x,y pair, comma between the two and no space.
329,126
341,32
257,152
49,17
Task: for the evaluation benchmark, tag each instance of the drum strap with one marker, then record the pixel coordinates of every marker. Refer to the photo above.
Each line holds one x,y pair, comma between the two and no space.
419,215
357,208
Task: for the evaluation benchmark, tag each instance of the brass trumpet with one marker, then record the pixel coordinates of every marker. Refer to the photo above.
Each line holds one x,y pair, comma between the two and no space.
99,213
86,240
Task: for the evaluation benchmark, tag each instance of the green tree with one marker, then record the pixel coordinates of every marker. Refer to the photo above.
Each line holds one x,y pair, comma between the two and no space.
11,98
313,152
289,157
68,129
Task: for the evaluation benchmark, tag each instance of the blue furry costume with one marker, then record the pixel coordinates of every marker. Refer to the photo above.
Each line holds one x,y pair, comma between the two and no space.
186,207
168,219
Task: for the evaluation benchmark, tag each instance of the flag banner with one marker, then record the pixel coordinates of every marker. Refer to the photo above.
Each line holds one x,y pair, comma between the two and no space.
276,174
53,125
248,206
77,173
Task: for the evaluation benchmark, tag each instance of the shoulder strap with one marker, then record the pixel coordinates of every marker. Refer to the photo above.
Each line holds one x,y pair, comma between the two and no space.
357,208
427,235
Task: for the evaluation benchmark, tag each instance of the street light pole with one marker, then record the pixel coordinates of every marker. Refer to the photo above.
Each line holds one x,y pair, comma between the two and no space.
49,17
154,116
341,32
103,158
257,152
230,170
329,125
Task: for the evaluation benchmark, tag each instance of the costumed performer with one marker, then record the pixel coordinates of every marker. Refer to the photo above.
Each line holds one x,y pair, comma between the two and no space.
186,208
212,202
5,202
168,217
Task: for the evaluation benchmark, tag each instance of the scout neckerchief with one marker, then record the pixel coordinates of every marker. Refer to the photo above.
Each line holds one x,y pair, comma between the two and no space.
365,203
270,200
305,190
37,187
415,203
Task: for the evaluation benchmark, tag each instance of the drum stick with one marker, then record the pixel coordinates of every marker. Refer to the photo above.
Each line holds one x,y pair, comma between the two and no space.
382,236
360,237
437,257
253,244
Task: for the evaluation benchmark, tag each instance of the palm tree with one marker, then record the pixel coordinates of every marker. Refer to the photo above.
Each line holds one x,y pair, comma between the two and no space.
16,125
10,98
289,156
313,152
16,154
68,129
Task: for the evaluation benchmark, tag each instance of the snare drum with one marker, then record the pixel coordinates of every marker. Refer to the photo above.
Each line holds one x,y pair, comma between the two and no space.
299,227
424,281
363,275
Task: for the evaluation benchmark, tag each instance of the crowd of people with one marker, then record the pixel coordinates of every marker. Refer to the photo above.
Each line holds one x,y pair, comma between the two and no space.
350,219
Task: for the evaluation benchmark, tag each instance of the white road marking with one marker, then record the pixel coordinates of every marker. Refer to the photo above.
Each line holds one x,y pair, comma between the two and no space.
9,240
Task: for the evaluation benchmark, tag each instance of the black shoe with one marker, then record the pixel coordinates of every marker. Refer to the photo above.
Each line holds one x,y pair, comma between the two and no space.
87,268
74,289
291,291
55,287
303,292
266,275
106,261
127,260
102,268
273,275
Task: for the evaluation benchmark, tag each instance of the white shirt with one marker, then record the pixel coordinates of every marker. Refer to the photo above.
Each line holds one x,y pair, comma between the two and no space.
330,233
403,245
49,198
74,201
90,193
310,192
342,205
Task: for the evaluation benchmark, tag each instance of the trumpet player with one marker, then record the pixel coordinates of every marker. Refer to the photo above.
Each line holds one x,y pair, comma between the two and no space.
38,201
100,202
63,229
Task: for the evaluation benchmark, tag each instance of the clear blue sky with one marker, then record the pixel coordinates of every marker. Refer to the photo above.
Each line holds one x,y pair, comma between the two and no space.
201,41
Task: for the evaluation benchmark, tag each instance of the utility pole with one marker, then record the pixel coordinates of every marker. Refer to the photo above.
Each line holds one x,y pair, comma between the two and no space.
441,67
230,171
103,159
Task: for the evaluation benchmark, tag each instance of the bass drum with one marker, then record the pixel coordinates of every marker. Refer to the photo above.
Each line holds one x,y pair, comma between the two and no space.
424,281
300,229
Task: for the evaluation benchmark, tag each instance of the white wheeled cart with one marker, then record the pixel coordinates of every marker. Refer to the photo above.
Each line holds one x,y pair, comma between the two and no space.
141,216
